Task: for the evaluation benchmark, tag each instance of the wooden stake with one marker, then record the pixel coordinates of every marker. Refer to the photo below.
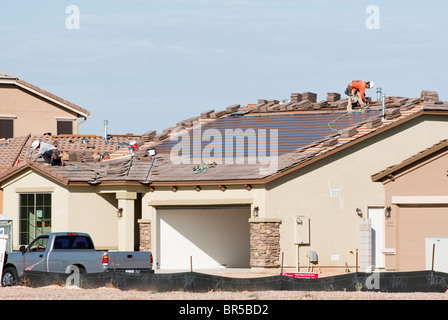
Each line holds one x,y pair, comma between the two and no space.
433,251
281,270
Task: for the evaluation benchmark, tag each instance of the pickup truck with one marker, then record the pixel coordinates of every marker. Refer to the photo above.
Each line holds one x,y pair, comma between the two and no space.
61,252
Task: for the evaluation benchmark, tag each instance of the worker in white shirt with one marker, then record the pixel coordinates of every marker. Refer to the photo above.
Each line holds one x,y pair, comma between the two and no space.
45,151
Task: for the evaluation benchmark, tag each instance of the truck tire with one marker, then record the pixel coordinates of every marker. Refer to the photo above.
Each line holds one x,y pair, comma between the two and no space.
9,277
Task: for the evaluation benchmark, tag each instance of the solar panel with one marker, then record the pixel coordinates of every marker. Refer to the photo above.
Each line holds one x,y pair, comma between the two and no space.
290,131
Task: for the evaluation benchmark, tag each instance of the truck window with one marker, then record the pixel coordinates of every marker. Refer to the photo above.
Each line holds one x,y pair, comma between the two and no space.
73,242
40,244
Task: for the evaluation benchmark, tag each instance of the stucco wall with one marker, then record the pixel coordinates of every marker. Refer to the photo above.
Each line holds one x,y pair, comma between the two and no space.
334,224
96,214
77,209
422,187
32,114
29,182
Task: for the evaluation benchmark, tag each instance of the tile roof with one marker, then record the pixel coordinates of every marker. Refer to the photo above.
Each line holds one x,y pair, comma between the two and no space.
308,130
9,79
441,146
16,150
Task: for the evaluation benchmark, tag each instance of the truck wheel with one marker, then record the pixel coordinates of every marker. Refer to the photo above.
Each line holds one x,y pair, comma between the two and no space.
9,277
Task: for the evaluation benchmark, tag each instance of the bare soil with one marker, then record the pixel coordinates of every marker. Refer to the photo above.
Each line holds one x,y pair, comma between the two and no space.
56,292
109,292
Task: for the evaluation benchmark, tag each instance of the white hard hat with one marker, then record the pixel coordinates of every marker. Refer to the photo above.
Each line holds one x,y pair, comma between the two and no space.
371,84
35,144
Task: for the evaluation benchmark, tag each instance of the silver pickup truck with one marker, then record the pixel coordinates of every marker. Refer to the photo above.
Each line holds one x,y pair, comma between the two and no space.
61,252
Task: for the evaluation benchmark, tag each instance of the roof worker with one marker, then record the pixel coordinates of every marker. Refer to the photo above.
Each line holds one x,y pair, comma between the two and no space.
356,88
45,151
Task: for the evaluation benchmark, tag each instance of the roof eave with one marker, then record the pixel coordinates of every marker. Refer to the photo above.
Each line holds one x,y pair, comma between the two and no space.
80,113
387,173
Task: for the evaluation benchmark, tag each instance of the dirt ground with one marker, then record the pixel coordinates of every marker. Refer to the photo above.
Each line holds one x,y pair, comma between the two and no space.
62,292
56,292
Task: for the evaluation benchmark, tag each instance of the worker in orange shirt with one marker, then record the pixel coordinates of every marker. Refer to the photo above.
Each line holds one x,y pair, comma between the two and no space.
357,88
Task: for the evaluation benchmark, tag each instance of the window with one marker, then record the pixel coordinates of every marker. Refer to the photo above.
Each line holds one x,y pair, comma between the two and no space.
6,128
35,216
64,127
40,244
70,242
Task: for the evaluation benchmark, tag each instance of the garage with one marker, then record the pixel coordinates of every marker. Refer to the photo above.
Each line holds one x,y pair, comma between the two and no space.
415,223
416,207
206,236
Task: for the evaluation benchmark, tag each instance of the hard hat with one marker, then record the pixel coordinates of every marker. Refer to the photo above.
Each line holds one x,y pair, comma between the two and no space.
35,144
371,84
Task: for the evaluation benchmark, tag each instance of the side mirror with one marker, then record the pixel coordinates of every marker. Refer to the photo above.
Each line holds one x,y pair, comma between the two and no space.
22,249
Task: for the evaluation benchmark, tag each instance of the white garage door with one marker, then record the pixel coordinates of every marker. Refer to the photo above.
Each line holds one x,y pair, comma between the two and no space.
214,237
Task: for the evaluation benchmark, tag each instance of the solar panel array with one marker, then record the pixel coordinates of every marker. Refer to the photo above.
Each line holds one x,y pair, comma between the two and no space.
249,133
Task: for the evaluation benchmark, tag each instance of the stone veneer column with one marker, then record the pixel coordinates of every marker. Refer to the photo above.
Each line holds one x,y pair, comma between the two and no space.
145,235
264,243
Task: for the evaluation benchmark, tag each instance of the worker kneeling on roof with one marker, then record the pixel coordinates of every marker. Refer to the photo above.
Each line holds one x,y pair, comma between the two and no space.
356,88
45,151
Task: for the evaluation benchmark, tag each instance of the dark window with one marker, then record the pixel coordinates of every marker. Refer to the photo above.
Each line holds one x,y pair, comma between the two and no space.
65,127
73,242
35,216
6,128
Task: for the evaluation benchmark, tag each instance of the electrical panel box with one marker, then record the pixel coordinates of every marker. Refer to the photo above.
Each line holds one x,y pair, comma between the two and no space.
6,229
301,230
313,256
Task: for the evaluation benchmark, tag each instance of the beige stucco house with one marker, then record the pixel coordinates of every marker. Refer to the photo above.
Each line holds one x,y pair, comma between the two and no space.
27,109
416,198
308,204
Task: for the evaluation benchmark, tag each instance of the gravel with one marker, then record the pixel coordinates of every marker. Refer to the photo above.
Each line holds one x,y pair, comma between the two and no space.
56,292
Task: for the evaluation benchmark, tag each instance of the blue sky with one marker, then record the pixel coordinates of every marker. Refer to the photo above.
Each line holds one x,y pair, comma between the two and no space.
146,65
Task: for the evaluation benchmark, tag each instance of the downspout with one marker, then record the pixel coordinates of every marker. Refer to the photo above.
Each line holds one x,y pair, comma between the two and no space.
80,123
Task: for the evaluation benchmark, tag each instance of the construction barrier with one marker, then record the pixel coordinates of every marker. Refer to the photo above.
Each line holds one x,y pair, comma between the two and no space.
418,281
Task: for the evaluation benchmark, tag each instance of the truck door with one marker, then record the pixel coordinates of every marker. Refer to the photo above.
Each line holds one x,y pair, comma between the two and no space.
36,255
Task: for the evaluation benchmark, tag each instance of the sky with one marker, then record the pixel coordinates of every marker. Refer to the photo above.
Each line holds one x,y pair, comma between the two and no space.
145,65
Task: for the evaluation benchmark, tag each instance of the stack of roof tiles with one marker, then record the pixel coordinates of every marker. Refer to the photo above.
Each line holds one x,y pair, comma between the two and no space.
309,96
429,95
333,96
